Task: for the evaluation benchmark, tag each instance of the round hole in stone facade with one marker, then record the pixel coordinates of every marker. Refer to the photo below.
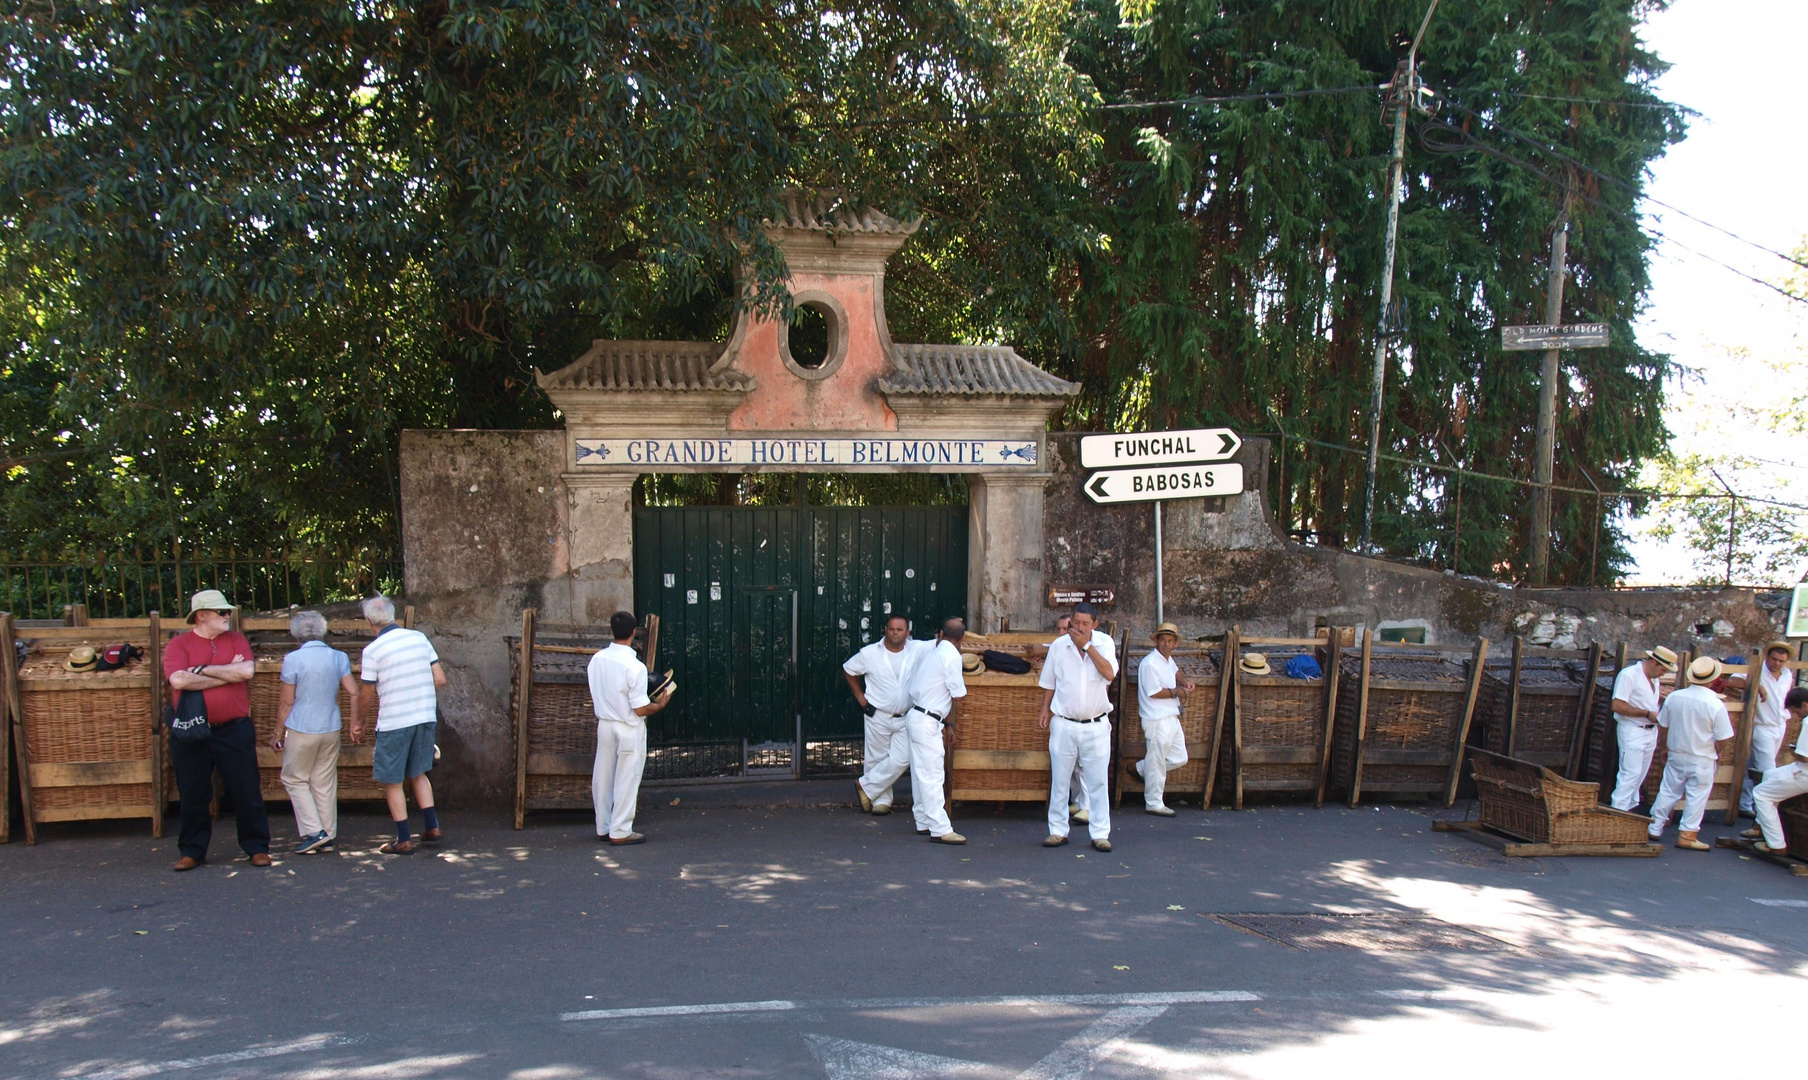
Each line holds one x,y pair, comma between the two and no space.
810,333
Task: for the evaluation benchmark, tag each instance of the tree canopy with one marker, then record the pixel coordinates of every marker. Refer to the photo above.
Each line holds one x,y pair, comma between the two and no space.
246,244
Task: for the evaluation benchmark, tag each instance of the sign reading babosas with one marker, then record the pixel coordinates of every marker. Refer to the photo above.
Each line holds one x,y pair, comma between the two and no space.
791,452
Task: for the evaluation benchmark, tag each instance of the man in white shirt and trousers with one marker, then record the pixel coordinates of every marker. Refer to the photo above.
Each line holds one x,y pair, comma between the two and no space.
618,692
1782,782
1636,700
1076,713
1775,680
1695,719
935,680
1160,693
885,666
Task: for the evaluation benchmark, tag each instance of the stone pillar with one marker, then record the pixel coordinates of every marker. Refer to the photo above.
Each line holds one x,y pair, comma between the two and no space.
601,543
1004,529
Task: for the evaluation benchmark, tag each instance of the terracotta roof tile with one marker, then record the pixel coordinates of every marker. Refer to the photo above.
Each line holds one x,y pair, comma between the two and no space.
647,365
971,369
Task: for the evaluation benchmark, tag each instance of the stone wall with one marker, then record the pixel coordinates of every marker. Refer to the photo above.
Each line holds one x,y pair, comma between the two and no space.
486,533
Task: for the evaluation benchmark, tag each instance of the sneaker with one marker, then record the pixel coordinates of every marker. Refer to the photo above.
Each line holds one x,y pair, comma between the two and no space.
866,801
1158,811
1101,845
1051,840
311,844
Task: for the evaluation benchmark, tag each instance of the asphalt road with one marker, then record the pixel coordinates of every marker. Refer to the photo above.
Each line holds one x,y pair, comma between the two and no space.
813,941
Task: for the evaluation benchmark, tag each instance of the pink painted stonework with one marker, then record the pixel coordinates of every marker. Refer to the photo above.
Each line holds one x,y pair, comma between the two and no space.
847,399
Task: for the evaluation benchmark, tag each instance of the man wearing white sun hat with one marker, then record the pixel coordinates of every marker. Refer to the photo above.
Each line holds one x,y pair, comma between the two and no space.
1694,718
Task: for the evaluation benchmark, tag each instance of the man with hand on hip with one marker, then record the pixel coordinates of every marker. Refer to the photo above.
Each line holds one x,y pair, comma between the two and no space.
1782,782
1160,693
885,665
216,660
1695,719
1636,699
401,678
1076,713
618,693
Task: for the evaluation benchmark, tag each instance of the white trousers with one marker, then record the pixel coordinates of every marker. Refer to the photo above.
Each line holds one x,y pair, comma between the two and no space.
920,750
882,730
1638,740
310,774
1089,747
1766,741
1687,777
1783,782
1166,750
621,757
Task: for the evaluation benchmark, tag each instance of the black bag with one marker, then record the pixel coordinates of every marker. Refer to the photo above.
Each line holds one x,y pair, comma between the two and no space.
187,719
1004,663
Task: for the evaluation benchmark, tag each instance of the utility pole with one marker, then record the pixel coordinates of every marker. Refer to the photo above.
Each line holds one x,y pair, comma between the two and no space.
1544,465
1405,89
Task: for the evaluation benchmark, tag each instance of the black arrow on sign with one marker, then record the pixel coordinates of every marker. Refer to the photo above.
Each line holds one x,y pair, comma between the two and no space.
1230,442
1097,485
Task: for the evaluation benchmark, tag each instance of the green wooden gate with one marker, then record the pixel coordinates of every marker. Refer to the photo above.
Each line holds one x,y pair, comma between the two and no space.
758,608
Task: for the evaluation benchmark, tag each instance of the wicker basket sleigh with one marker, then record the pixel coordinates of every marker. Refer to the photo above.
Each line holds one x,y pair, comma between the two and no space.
1403,714
1280,727
1534,804
1534,706
1201,722
996,750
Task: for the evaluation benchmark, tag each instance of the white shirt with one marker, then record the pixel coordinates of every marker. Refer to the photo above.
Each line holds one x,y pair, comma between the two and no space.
1801,744
887,673
1154,674
618,684
936,680
1769,713
1636,689
1080,691
1696,717
400,661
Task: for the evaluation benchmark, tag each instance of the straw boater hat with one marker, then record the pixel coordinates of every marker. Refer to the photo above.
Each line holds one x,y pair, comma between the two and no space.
208,600
1665,658
971,664
1254,663
1705,669
1779,643
82,658
1166,628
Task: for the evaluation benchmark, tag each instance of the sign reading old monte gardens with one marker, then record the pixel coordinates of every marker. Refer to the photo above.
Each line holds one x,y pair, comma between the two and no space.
791,452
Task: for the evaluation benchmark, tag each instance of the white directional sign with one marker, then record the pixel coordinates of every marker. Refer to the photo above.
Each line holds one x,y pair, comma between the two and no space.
1573,336
1158,448
1165,482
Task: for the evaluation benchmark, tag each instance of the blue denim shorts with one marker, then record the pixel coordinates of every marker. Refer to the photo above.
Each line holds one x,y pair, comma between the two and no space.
403,753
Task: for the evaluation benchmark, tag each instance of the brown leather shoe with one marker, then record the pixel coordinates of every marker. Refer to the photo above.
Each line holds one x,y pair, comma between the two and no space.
187,862
624,841
1752,833
261,858
1689,841
431,836
397,847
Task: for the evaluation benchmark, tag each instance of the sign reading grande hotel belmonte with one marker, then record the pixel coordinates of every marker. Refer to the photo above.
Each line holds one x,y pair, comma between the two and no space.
792,451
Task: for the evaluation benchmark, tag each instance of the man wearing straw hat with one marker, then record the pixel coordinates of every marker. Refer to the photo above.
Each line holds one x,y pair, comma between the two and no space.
1636,699
1695,719
1076,713
1769,723
1160,693
1782,782
885,669
216,660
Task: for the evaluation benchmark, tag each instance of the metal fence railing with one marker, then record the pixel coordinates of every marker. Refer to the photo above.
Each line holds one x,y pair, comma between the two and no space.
131,584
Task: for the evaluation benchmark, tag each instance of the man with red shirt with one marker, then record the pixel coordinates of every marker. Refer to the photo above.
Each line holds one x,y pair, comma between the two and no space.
216,660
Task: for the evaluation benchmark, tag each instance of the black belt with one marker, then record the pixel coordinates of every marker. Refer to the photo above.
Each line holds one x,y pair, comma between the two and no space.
1092,720
926,712
1647,724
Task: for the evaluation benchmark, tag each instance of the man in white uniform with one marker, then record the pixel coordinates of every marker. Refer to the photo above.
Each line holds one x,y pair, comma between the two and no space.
618,692
1695,719
885,698
1079,814
1160,693
1784,781
1768,722
1635,704
1076,713
935,681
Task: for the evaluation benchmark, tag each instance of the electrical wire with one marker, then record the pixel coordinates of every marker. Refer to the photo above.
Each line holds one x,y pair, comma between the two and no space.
1605,101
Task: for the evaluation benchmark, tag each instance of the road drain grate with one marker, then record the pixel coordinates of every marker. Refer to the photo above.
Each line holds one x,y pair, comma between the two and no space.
1371,932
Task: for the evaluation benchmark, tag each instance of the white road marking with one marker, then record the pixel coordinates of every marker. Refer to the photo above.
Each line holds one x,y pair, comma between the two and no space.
1778,903
682,1010
1176,997
131,1072
1076,1057
844,1059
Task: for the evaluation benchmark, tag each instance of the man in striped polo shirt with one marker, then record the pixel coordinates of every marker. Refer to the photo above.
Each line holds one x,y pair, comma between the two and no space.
401,675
